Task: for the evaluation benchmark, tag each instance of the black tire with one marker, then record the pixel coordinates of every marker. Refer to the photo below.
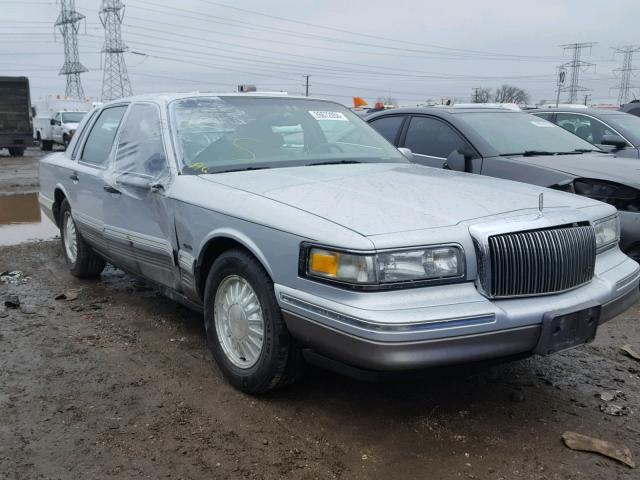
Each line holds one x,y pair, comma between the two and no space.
65,141
280,361
87,263
16,151
46,145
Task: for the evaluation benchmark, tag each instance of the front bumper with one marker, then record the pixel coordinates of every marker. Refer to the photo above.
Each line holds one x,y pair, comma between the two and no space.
447,324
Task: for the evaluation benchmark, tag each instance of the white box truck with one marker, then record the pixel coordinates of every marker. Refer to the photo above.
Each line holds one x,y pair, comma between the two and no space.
57,118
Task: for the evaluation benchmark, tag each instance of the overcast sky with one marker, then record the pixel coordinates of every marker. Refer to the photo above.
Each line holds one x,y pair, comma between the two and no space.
410,50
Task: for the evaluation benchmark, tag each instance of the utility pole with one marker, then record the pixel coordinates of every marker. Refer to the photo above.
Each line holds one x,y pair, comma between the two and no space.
69,22
575,66
562,75
115,78
625,72
306,85
586,98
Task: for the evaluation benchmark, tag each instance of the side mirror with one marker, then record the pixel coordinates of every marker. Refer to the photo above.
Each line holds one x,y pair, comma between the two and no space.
406,152
52,122
615,141
459,160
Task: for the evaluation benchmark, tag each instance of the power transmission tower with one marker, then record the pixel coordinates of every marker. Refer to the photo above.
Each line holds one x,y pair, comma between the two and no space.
69,22
625,72
115,79
574,67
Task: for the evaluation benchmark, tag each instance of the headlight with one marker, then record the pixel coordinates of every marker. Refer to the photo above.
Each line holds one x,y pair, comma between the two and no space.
607,232
384,269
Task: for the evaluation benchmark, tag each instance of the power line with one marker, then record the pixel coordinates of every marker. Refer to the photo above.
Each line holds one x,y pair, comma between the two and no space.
575,66
68,22
625,72
115,79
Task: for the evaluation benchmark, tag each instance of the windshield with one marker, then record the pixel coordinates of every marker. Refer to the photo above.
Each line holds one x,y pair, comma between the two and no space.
218,134
72,117
627,124
517,133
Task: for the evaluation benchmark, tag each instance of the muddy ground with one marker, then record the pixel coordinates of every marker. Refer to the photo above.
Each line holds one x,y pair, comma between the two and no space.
118,383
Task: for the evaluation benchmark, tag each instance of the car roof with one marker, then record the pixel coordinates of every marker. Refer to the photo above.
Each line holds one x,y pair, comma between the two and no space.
167,97
439,111
591,111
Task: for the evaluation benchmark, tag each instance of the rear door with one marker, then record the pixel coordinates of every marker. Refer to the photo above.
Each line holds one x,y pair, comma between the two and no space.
88,178
138,222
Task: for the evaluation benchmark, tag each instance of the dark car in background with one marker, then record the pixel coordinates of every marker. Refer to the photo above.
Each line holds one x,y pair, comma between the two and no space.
518,146
633,107
610,130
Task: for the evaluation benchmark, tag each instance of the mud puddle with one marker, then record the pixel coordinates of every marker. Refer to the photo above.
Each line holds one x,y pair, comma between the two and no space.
22,220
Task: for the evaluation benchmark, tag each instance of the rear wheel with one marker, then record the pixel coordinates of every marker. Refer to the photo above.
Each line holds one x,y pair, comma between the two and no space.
82,260
245,329
16,151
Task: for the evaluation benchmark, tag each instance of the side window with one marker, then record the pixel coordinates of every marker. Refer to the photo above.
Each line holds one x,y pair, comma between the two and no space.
587,128
432,137
100,140
388,127
83,128
140,149
57,117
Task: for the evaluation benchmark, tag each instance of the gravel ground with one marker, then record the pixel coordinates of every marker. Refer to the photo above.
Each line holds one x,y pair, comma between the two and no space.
118,383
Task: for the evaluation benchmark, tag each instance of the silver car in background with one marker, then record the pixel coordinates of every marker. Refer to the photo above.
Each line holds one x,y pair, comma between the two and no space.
301,233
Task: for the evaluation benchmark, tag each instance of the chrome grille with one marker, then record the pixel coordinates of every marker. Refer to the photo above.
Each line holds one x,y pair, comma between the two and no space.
538,262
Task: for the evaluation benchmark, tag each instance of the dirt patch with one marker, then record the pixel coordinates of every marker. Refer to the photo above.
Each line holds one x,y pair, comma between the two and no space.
118,383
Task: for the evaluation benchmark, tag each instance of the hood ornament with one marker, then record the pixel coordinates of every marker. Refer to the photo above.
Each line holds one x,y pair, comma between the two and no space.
541,202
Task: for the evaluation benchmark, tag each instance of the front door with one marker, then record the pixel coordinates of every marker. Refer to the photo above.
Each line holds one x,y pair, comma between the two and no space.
138,223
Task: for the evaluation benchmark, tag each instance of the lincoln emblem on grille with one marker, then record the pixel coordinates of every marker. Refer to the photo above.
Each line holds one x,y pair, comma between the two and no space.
541,202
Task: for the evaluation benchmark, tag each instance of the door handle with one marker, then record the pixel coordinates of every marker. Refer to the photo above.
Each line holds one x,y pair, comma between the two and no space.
74,177
110,189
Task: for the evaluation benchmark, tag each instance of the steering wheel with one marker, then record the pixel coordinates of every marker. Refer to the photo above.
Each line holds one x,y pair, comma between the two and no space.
326,147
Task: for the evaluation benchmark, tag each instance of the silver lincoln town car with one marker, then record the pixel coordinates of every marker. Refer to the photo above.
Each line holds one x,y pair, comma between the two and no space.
301,233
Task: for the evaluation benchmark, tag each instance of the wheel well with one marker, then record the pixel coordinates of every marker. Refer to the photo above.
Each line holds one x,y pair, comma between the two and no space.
212,250
58,197
38,137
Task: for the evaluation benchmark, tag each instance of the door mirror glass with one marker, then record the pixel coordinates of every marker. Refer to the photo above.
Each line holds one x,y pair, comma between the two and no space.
52,121
615,141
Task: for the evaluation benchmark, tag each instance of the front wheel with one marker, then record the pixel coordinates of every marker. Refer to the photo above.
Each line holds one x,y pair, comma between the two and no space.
245,329
82,260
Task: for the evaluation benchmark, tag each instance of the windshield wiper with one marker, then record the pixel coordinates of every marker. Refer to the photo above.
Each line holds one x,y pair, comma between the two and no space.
333,162
529,153
239,170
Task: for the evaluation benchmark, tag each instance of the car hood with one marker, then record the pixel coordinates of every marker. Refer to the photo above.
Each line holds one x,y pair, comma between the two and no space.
374,199
592,165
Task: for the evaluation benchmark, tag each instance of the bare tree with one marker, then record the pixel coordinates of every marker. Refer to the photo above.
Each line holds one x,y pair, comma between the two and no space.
510,94
481,95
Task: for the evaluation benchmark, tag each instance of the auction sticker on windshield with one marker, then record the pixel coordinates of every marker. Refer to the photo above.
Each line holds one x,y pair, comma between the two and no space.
325,115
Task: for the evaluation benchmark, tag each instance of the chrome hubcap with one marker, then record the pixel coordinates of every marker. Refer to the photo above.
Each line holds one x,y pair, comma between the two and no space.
239,321
70,240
